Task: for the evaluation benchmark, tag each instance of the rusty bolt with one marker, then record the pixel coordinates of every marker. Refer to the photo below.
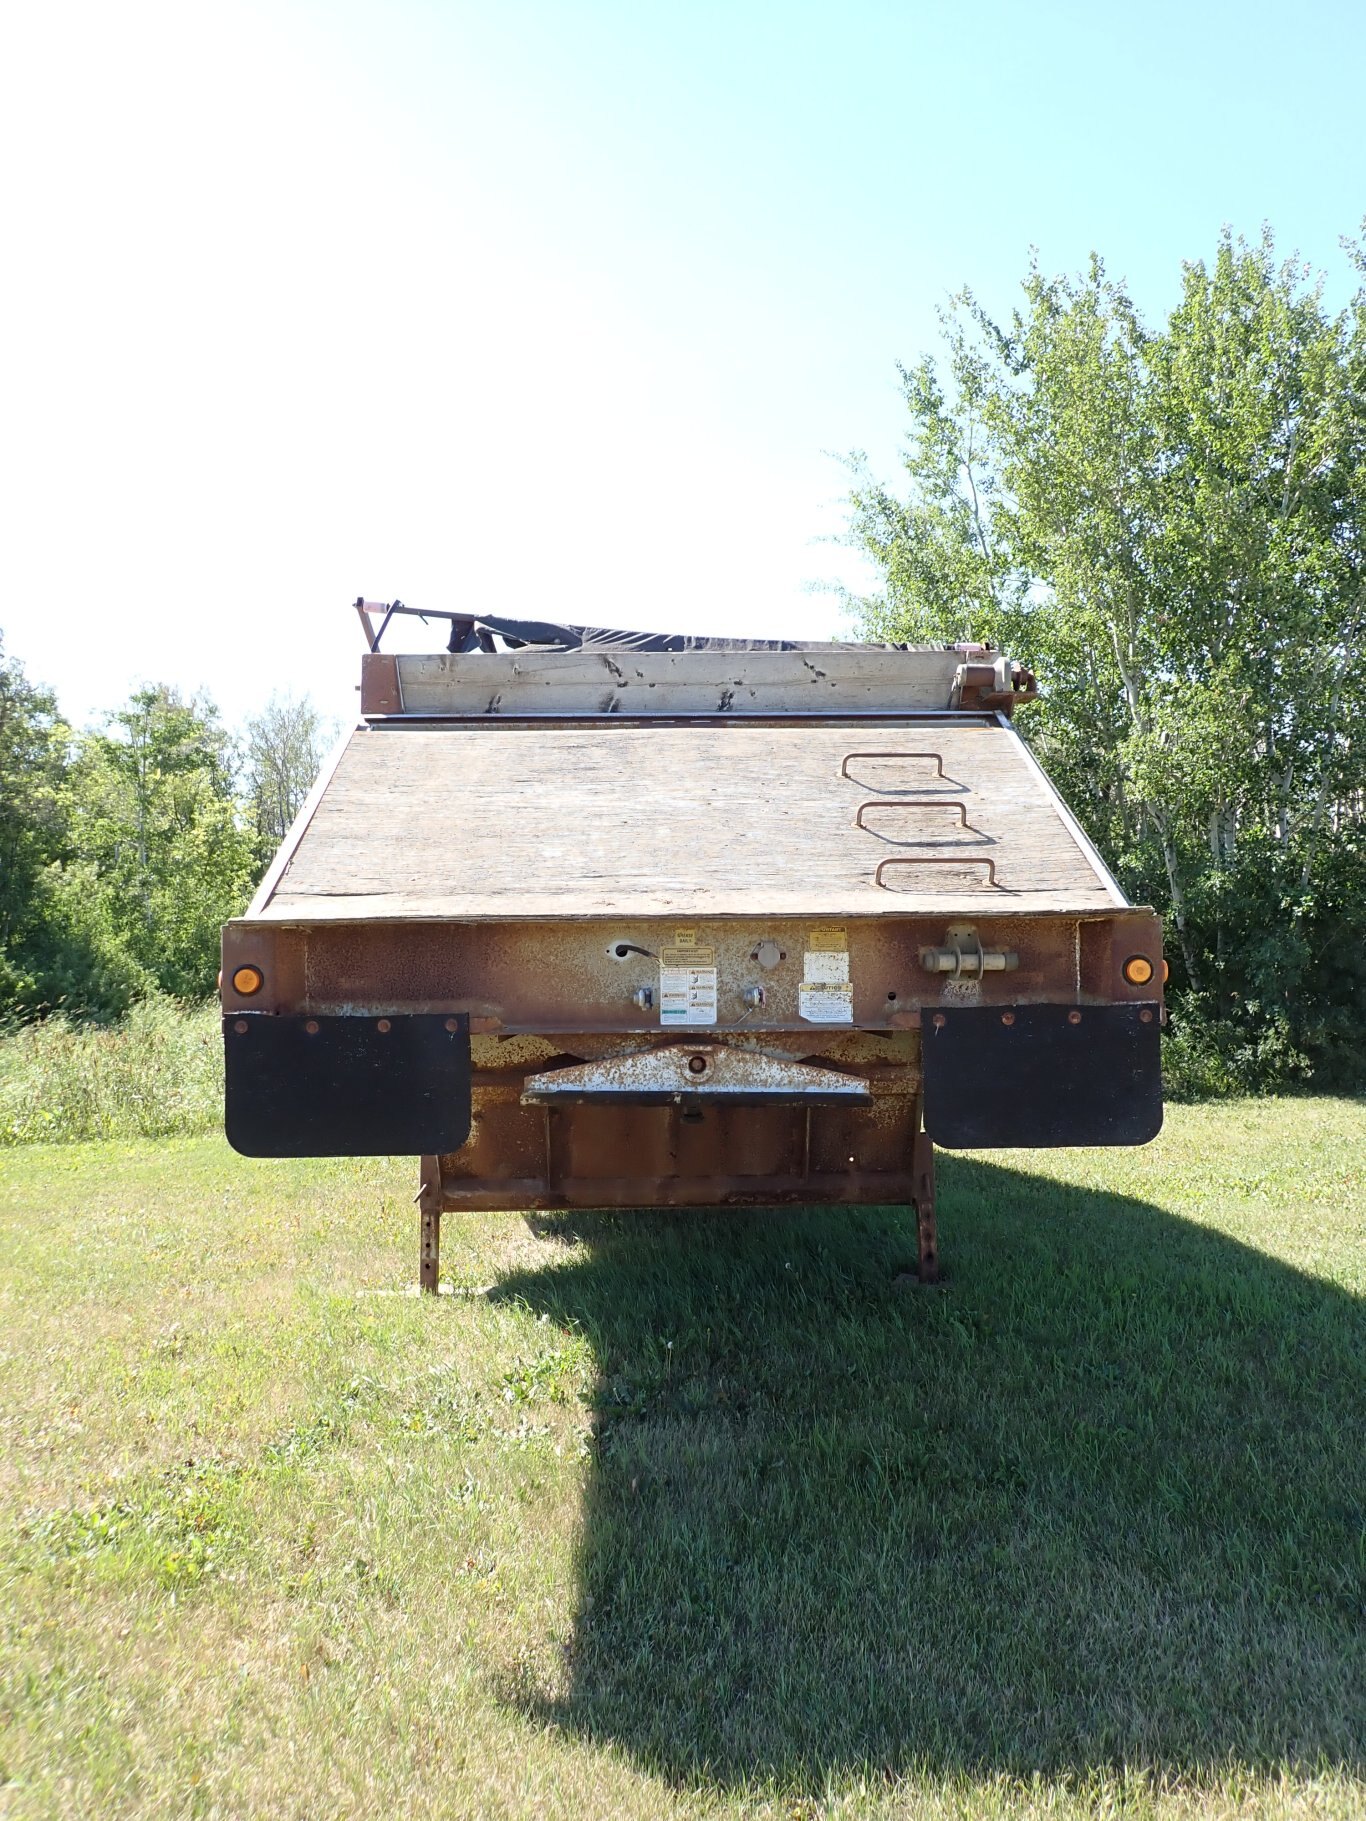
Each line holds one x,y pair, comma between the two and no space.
1007,1017
1145,1017
452,1024
312,1027
385,1025
939,1021
241,1027
1074,1017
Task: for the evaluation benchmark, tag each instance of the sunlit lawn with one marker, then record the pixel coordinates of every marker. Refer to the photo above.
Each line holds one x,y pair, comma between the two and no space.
665,1514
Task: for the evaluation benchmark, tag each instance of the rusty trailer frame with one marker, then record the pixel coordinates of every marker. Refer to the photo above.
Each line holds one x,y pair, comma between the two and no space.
695,935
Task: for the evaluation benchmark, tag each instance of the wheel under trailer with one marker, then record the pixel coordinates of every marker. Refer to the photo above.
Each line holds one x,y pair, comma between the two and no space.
610,928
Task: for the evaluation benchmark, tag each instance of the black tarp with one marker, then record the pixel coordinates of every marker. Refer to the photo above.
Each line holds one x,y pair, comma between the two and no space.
470,632
478,635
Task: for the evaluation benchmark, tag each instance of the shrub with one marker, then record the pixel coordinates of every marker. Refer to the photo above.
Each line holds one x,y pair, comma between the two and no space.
158,1073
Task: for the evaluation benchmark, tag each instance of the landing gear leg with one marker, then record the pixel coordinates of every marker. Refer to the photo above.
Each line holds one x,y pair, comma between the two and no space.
927,1235
429,1202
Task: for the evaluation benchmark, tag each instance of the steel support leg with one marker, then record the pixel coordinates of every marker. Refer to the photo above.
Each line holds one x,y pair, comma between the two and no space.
429,1202
922,1168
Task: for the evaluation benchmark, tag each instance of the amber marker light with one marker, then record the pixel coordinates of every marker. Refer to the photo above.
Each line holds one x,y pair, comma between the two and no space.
1137,970
1166,972
248,980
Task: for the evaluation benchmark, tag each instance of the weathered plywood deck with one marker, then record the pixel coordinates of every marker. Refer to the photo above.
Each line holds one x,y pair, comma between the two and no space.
842,680
554,821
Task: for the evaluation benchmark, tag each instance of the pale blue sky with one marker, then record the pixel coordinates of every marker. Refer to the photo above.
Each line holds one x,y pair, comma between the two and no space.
555,308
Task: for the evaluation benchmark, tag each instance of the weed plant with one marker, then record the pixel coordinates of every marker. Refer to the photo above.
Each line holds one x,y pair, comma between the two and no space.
156,1074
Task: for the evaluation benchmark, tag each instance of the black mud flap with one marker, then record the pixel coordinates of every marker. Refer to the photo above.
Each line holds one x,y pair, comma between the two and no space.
1027,1076
347,1087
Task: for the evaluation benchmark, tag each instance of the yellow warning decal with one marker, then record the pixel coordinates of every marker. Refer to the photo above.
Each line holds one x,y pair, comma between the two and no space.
828,939
687,957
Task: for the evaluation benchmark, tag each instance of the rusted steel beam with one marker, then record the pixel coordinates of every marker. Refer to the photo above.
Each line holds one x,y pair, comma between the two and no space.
429,1205
922,1195
365,609
514,1194
583,976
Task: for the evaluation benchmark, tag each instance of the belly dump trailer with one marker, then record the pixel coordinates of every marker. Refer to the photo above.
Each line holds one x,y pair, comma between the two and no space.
593,920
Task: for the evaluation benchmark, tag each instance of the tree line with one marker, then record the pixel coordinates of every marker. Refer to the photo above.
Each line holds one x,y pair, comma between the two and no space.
124,848
1168,522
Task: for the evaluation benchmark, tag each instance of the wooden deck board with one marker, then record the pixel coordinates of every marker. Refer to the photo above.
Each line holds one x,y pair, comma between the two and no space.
525,821
617,681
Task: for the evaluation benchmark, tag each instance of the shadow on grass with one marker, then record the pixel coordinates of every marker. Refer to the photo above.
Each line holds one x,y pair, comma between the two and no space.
1098,1500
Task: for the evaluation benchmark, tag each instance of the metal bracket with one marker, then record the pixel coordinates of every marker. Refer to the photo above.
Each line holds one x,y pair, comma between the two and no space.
974,962
913,803
684,1073
937,757
938,860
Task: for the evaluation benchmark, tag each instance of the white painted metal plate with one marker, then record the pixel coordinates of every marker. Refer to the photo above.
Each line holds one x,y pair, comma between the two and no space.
690,1071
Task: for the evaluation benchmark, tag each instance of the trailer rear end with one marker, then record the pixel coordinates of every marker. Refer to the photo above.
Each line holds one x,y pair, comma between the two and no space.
603,926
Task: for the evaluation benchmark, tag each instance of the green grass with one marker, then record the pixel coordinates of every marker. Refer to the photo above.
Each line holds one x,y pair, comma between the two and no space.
157,1074
674,1514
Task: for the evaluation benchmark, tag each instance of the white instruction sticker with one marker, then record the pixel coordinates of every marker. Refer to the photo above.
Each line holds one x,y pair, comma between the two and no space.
825,995
826,1002
687,986
827,964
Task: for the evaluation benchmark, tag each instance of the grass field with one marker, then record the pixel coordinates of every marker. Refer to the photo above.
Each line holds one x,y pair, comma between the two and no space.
664,1514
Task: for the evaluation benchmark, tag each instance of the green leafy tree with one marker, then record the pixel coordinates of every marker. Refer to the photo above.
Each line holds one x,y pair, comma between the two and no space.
154,818
1169,523
33,746
32,757
58,948
285,747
